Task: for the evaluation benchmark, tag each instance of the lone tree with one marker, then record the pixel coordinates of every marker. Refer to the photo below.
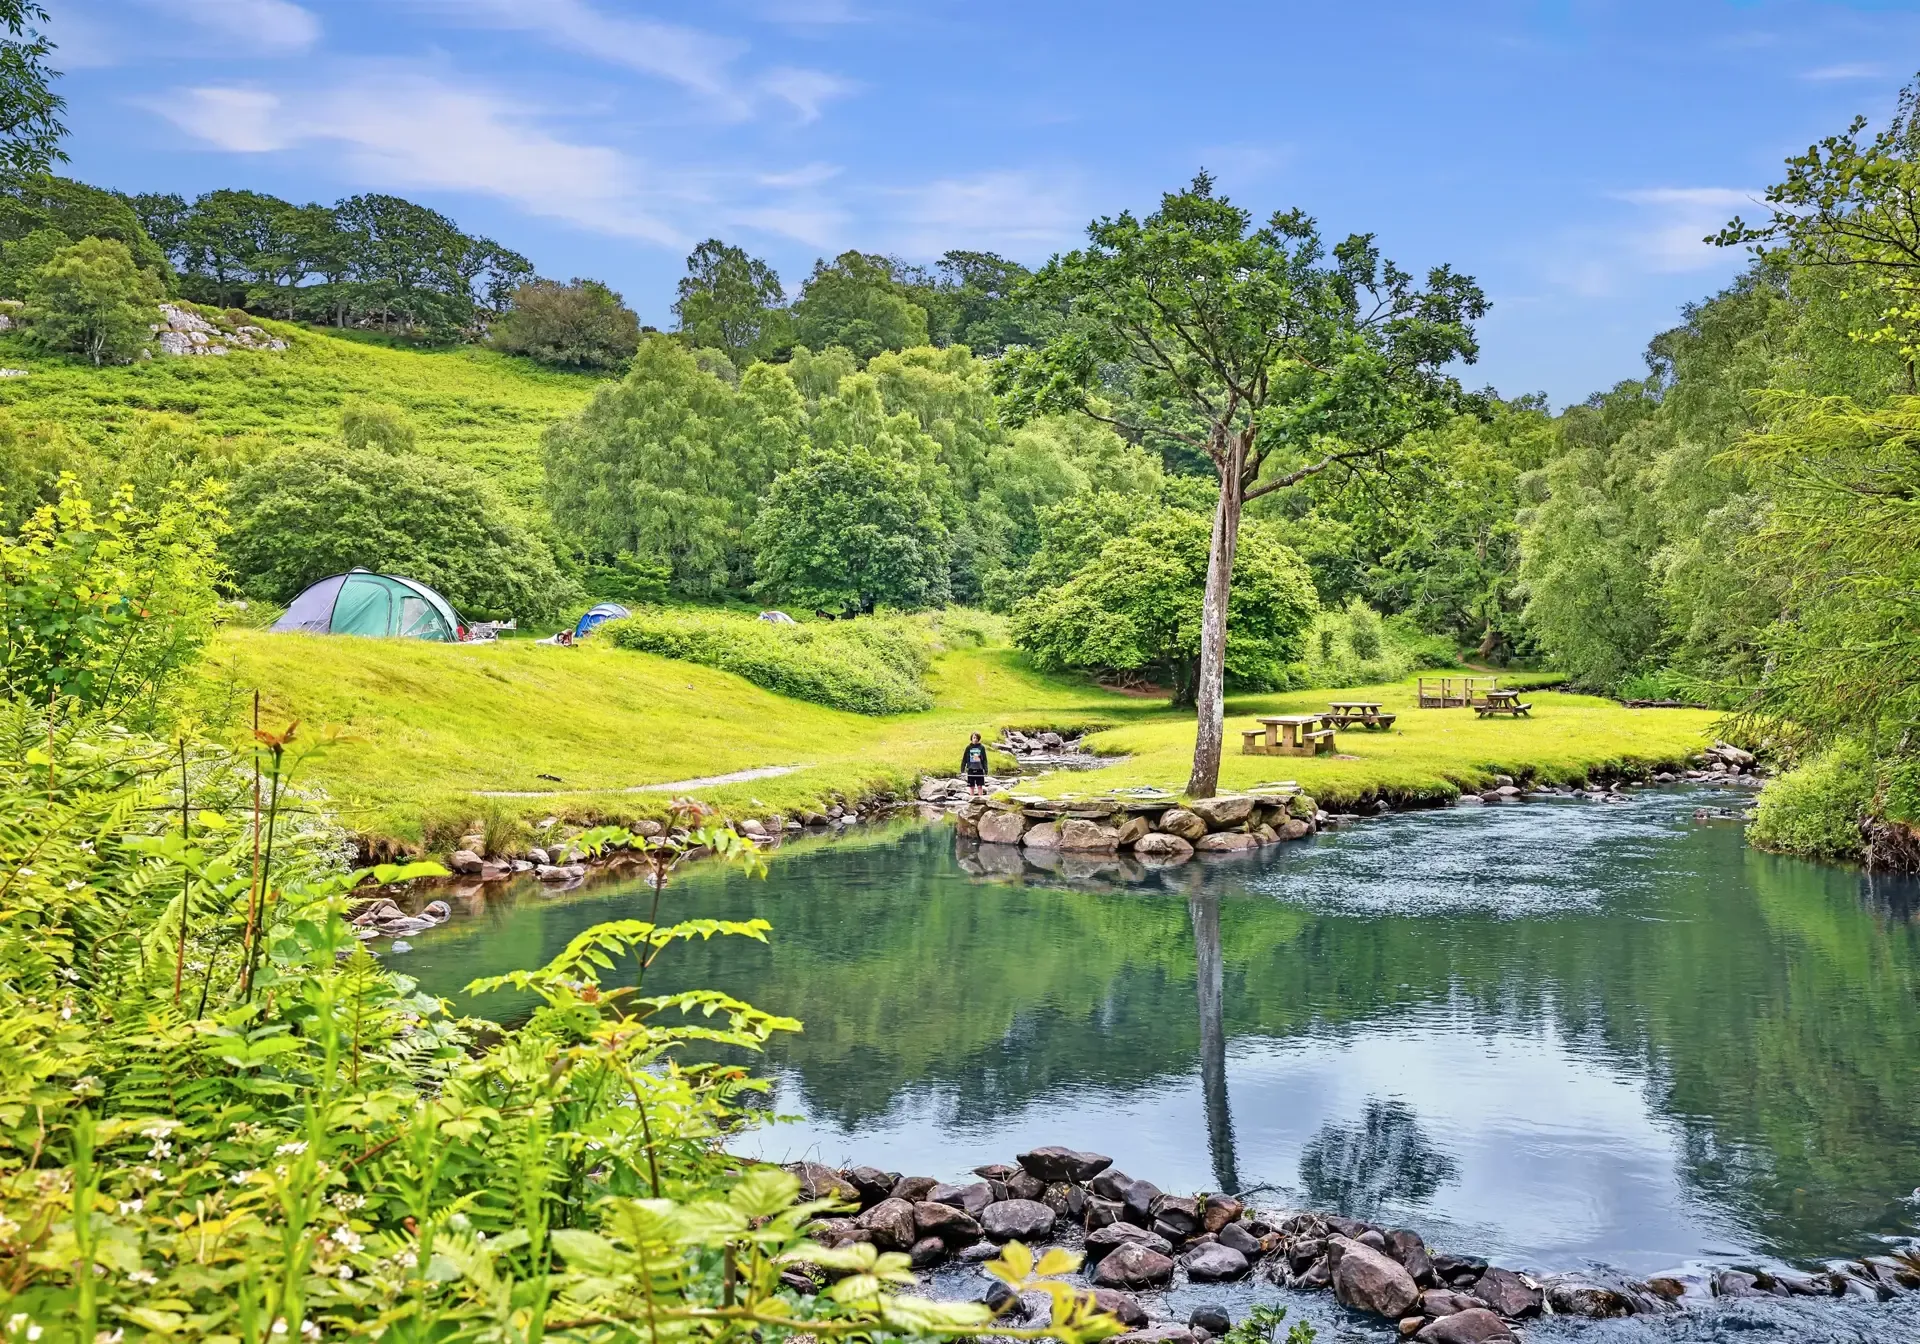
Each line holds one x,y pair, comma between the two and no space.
1254,347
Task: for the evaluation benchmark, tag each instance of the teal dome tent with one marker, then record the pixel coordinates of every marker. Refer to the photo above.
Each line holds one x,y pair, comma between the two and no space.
384,606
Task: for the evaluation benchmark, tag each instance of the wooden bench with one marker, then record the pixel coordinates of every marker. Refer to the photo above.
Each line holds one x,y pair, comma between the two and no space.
1318,740
1512,709
1287,735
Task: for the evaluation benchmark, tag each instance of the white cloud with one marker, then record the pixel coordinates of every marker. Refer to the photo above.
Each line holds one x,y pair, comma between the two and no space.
407,131
1681,218
1855,70
1013,211
276,26
804,90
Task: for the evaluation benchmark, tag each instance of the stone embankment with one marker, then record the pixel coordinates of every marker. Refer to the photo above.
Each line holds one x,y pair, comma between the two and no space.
1138,1241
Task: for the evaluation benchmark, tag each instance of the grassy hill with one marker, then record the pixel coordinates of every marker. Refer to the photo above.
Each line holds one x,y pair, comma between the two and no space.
468,404
408,733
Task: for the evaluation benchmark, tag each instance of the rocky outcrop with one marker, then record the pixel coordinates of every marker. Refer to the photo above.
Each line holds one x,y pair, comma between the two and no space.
182,331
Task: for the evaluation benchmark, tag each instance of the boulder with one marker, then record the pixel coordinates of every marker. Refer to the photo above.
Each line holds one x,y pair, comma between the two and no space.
1265,835
1132,1266
1303,1252
1101,1212
1023,1184
1367,1280
1303,807
537,855
1578,1295
1064,1164
1406,1246
1123,1307
1105,1240
820,1182
1315,1276
1447,1301
1157,1334
1507,1293
1218,1211
872,1184
1132,831
1158,845
1240,1239
1227,842
995,1171
1044,836
1002,828
1138,1201
1375,1238
892,1224
927,1252
1025,1219
466,862
973,1197
1214,1320
1178,1213
1454,1268
1216,1264
1295,829
1475,1325
951,1224
913,1189
1110,1184
1737,1283
1083,837
1219,813
1183,823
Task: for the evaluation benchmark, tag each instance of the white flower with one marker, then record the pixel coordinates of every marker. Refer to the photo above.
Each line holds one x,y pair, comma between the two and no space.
102,1337
346,1271
408,1259
146,1276
15,1321
33,1333
132,1205
309,1329
242,1177
75,885
279,1325
346,1238
26,872
161,1148
297,1146
156,1131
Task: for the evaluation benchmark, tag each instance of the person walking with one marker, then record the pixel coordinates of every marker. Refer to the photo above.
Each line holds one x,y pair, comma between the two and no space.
973,764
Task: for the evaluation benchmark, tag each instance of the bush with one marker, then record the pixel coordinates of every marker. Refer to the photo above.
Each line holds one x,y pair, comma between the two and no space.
90,299
867,666
581,325
305,514
1816,808
1397,648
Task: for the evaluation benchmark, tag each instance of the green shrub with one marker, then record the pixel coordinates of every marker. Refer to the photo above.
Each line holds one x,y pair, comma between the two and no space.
1816,808
869,666
581,325
90,299
1355,646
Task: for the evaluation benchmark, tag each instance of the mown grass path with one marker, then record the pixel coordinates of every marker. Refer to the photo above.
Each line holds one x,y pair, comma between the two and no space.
416,730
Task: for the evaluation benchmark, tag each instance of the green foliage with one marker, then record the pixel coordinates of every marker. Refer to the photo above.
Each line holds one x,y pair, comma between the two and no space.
868,666
30,131
1262,1323
302,515
732,302
108,608
578,325
22,258
860,302
42,201
1135,608
1818,807
1352,645
376,426
856,522
667,464
90,299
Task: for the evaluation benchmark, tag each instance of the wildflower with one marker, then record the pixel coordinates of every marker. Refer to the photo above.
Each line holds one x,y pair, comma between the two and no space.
161,1149
346,1271
156,1132
242,1177
33,1332
15,1321
279,1325
281,1171
346,1238
297,1146
26,872
103,1337
8,1230
309,1329
407,1259
132,1205
145,1276
75,885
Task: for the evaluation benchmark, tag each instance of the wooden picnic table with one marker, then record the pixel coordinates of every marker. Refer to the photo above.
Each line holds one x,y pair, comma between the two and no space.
1361,713
1503,702
1287,735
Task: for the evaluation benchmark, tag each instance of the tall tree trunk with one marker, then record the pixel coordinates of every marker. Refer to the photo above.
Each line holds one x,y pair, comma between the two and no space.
1210,693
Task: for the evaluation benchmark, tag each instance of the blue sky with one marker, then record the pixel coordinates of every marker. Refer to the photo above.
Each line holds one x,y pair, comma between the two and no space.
1570,155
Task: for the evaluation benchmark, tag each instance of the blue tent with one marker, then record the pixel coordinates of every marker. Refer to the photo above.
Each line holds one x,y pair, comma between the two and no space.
606,611
382,605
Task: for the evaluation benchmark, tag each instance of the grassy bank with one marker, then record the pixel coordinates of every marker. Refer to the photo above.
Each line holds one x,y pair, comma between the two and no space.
468,404
402,733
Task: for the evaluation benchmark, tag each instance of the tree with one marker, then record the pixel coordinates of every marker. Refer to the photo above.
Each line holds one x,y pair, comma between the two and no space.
406,259
91,299
858,301
581,324
1252,347
730,301
980,302
667,465
1137,606
43,201
30,127
307,513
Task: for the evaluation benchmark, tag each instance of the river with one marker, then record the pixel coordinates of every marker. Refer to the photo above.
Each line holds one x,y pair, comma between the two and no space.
1553,1034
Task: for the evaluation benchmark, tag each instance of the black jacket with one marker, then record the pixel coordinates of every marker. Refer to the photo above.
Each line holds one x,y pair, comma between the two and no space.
973,761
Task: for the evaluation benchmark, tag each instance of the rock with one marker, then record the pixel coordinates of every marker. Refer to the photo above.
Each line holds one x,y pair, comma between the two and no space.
1367,1280
538,855
1105,1240
1236,1236
1183,823
973,1197
995,1171
1123,1307
548,872
1315,1276
1044,836
927,1252
1001,1300
913,1189
1101,1212
1064,1164
1131,1266
1002,828
1051,741
1219,813
1577,1295
1507,1293
1453,1268
1375,1238
978,1253
1080,836
1157,1334
1303,1252
1737,1283
1295,829
1214,1320
1218,1211
1447,1301
954,1225
1158,845
1025,1219
752,829
820,1182
1024,1184
493,872
1132,831
465,861
1066,1200
1179,1213
872,1183
1227,842
1110,1184
1138,1200
1216,1264
892,1224
1406,1246
1475,1325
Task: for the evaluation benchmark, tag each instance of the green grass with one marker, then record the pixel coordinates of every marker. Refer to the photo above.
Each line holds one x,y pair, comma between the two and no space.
468,404
407,732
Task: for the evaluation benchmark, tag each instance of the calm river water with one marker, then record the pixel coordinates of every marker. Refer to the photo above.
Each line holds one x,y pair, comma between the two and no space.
1553,1034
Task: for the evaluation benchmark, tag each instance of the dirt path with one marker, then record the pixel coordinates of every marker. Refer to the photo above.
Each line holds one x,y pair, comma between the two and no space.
676,786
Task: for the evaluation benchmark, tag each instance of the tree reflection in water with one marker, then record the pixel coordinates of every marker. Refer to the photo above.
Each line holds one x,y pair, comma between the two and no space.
1359,1168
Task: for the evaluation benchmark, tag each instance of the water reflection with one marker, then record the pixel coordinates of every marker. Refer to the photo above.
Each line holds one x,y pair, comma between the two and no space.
1550,1033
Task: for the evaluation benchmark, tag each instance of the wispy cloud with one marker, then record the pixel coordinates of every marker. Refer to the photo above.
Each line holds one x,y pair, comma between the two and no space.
276,27
1854,70
1677,222
1017,211
806,91
405,130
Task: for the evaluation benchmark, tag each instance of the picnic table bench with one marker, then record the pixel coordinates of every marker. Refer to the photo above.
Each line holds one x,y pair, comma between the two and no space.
1287,735
1358,713
1503,702
1454,692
